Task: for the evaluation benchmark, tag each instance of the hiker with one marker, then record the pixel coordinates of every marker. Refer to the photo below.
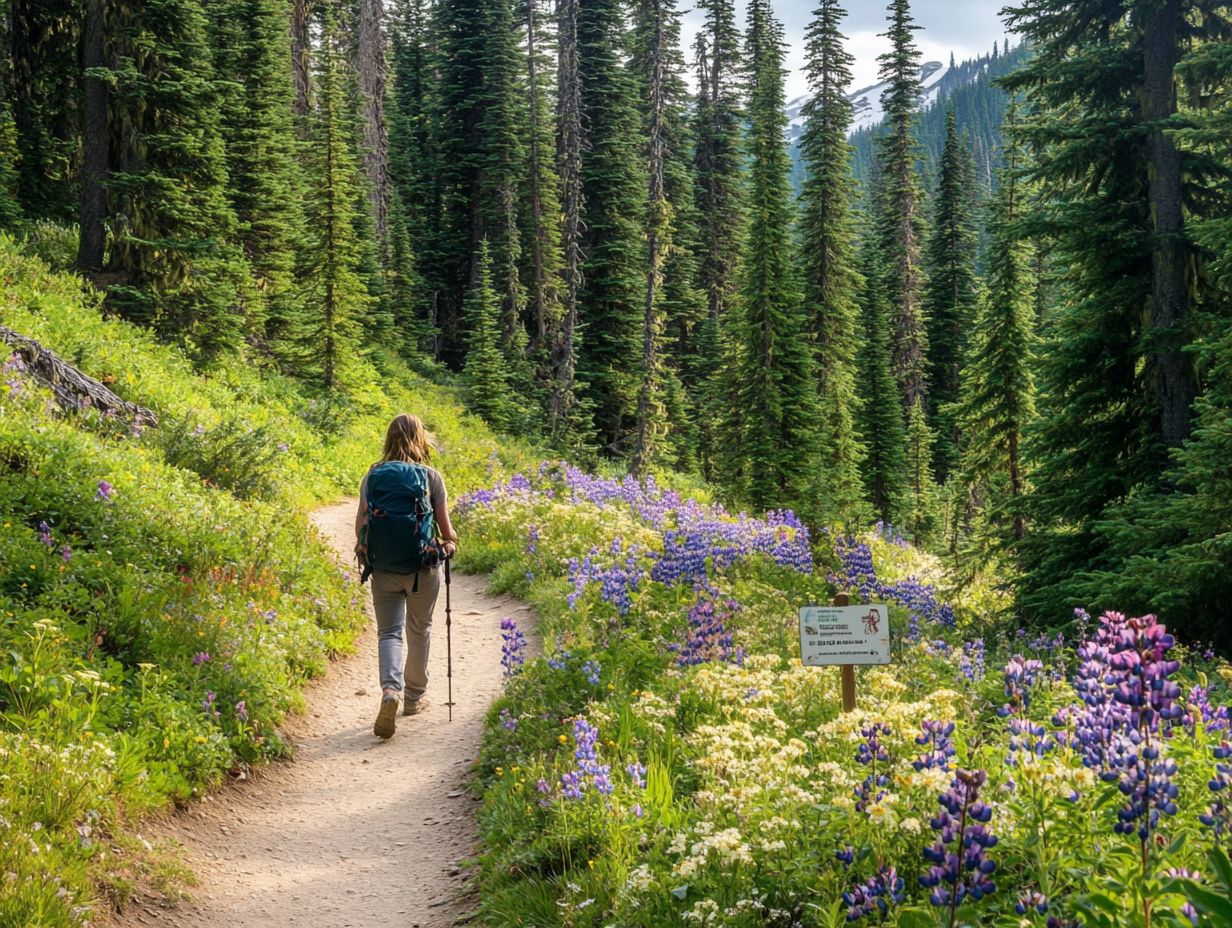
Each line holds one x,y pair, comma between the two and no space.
403,532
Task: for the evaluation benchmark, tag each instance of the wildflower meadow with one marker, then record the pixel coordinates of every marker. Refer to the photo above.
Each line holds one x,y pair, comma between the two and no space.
667,760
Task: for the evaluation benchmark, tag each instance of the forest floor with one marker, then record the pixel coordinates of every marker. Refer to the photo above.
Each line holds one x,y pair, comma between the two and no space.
354,831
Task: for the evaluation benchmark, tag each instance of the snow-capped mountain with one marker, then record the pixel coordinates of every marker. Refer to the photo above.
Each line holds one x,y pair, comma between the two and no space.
866,102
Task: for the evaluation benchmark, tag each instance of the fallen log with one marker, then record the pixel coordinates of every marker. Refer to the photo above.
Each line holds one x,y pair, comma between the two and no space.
73,390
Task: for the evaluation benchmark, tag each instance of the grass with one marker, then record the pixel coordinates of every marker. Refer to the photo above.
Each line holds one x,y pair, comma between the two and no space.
163,598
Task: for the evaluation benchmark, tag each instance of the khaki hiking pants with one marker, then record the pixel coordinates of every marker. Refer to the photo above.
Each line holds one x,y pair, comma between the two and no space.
400,603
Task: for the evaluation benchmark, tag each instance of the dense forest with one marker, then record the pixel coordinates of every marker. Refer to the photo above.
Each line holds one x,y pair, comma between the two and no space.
595,231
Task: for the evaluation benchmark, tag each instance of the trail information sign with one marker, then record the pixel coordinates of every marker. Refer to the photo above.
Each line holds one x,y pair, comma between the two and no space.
844,635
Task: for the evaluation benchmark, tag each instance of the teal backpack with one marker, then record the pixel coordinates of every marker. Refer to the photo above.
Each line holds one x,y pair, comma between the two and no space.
401,529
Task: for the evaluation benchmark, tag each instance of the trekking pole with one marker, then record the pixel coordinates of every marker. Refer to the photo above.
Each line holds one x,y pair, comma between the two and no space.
448,642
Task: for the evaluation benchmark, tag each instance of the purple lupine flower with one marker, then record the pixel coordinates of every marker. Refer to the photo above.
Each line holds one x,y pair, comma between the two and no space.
543,787
66,552
1219,814
200,658
207,705
938,738
44,531
972,664
241,710
961,867
571,785
513,648
1020,677
508,722
871,752
103,493
559,660
636,810
846,855
532,539
592,672
875,894
1027,737
707,638
1032,902
637,773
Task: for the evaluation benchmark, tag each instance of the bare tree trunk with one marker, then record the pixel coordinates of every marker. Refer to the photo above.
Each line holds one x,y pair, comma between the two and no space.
91,244
570,157
300,62
657,231
370,67
1169,255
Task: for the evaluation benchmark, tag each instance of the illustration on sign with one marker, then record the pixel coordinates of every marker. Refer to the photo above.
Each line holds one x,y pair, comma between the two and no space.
844,635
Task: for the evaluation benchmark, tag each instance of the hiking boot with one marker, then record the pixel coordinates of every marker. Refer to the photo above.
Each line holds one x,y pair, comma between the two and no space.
415,706
386,719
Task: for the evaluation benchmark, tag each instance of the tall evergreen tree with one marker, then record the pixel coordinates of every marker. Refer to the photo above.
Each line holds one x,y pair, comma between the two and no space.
562,402
10,207
370,70
775,381
949,300
415,200
335,290
1116,377
486,371
95,140
171,257
542,252
718,159
898,219
831,279
252,51
881,414
612,185
998,401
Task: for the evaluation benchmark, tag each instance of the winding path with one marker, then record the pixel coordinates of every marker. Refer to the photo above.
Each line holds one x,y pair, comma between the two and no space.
354,831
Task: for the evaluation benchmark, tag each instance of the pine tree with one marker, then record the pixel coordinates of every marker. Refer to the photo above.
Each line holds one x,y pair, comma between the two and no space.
898,208
831,279
562,401
775,380
374,152
1116,377
10,208
486,371
335,290
881,414
998,402
612,187
171,255
921,516
415,197
949,300
718,160
412,330
252,50
540,228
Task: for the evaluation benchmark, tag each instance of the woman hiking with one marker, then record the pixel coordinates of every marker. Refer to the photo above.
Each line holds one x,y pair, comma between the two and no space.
403,533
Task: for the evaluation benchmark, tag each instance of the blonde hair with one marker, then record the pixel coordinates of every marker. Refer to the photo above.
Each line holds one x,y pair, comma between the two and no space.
406,439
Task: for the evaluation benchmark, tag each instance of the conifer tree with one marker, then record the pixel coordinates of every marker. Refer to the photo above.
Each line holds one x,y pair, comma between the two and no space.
718,160
335,290
252,52
717,128
540,226
374,151
171,255
831,279
486,372
881,413
412,330
10,208
998,402
898,219
775,381
949,300
562,402
415,196
613,188
1116,378
921,516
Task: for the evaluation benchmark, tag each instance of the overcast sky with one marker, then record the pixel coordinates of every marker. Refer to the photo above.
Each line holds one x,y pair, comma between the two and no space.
965,27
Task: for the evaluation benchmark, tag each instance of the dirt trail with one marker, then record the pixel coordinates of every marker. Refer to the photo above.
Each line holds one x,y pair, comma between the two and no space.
354,831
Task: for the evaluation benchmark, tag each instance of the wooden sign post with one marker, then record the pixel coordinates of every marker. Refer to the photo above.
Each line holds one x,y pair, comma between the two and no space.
845,635
848,671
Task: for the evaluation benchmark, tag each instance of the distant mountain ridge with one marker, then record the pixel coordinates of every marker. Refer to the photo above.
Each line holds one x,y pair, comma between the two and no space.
968,87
